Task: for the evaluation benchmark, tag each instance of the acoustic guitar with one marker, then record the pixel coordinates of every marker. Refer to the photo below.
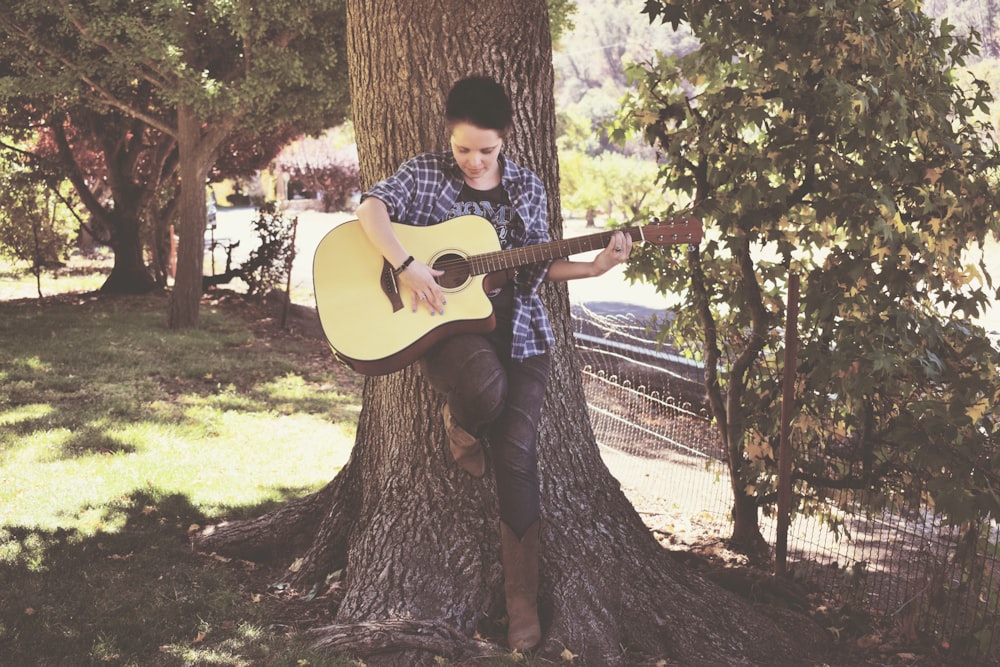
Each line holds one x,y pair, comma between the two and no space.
361,309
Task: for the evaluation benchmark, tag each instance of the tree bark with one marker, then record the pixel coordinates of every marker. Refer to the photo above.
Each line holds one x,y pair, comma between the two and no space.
186,295
417,537
129,274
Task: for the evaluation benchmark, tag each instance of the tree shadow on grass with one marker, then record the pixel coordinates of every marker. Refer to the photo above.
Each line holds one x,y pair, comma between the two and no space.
132,595
91,440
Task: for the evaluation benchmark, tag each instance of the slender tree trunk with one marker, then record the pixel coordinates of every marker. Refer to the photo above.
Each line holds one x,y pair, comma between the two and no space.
417,537
186,296
746,536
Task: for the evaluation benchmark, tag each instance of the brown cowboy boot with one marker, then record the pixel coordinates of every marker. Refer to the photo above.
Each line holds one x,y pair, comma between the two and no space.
520,575
466,448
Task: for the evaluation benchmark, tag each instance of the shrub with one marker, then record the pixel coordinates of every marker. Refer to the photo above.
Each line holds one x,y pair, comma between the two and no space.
269,264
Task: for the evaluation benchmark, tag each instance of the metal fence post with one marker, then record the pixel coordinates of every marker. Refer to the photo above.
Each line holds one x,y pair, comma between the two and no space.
787,410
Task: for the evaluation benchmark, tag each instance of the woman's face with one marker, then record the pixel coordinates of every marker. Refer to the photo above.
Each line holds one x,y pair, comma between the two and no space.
476,150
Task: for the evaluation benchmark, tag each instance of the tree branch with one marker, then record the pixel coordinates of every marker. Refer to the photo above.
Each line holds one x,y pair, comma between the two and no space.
100,94
110,47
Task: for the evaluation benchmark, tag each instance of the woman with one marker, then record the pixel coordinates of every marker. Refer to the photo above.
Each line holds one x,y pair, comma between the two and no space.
493,384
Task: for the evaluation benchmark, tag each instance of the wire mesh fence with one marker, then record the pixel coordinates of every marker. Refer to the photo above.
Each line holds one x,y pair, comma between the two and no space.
900,561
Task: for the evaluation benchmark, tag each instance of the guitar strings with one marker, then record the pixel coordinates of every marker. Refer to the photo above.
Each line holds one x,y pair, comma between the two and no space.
497,259
500,259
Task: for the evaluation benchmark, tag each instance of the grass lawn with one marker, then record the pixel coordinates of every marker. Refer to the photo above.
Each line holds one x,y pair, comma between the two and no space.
117,438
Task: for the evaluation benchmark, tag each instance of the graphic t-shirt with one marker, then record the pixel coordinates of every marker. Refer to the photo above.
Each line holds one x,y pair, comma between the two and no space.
495,206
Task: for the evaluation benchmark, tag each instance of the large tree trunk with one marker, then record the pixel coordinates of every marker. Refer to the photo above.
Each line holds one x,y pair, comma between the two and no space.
129,274
417,537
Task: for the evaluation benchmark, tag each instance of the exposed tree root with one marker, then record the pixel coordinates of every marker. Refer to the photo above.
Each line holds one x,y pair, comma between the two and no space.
319,522
401,642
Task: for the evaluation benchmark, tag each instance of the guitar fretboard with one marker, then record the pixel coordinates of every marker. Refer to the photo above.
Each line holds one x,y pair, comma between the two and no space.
671,232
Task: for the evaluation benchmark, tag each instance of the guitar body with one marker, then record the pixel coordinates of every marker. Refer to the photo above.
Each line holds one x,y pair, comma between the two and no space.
370,326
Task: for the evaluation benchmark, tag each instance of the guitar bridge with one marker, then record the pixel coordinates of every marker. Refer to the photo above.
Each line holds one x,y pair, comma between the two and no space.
389,286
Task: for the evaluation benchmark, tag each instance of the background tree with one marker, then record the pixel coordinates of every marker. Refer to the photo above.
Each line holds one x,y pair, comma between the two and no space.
590,63
982,16
117,166
115,163
832,140
213,68
418,539
36,222
616,184
326,165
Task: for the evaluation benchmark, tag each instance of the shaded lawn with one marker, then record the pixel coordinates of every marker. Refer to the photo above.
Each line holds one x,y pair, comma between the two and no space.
117,436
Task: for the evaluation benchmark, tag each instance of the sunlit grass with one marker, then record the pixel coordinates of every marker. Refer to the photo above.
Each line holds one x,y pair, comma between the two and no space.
96,412
116,436
81,274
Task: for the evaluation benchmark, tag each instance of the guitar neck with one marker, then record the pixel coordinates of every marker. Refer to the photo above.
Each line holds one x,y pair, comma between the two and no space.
670,232
542,252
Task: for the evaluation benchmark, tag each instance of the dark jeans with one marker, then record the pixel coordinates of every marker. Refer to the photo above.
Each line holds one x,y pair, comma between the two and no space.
500,400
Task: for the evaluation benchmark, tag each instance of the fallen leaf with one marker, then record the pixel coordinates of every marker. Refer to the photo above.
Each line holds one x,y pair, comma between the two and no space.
297,565
567,655
200,638
30,611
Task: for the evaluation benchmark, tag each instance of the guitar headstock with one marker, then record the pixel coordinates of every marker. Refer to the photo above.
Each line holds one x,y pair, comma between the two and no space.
673,231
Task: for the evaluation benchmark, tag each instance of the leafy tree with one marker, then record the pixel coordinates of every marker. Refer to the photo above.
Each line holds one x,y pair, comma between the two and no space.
35,219
611,182
579,185
590,56
832,140
213,67
325,164
417,538
114,163
982,16
249,152
118,166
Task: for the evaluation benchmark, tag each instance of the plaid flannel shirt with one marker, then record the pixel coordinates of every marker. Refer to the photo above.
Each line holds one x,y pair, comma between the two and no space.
423,191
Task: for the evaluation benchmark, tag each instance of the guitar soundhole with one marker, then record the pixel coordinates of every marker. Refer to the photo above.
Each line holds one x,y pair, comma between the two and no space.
456,270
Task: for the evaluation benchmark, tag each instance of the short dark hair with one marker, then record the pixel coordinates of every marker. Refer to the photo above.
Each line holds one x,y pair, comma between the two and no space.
481,101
